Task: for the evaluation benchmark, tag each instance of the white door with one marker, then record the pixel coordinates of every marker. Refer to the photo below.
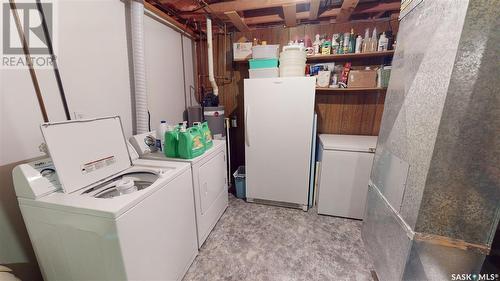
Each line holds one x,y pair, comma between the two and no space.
212,181
278,126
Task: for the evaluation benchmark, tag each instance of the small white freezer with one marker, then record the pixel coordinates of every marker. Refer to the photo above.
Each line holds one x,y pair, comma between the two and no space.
345,166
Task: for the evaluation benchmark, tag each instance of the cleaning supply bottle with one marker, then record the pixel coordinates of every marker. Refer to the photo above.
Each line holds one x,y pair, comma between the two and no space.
346,42
172,142
366,41
191,143
205,130
317,45
374,41
383,42
352,41
340,50
359,41
335,44
161,134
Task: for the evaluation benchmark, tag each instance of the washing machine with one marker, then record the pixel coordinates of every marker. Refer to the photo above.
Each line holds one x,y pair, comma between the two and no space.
94,213
209,174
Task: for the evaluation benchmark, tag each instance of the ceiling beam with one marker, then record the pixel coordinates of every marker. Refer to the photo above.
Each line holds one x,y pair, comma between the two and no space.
377,7
290,12
237,21
314,9
346,10
277,18
168,19
243,5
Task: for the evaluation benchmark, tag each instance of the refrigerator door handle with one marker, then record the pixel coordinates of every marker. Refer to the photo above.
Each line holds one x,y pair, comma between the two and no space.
247,137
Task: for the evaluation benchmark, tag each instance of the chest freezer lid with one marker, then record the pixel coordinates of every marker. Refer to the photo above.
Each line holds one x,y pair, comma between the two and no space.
86,151
348,142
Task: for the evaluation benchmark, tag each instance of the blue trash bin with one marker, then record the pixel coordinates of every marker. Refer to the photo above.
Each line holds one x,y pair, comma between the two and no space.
240,182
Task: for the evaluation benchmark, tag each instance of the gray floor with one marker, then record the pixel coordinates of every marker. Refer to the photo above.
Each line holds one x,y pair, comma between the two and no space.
259,242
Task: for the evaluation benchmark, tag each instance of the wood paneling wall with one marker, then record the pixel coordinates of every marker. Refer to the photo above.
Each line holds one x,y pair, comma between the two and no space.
339,113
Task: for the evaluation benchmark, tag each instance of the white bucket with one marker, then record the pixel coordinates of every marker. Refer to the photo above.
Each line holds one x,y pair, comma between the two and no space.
293,70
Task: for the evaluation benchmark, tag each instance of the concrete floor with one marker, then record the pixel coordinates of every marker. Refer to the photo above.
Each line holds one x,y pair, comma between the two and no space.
258,242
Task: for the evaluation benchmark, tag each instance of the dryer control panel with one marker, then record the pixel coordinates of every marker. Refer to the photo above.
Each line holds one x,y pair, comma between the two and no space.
35,179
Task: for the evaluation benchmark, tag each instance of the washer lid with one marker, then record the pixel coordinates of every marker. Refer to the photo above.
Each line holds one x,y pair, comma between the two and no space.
348,142
86,151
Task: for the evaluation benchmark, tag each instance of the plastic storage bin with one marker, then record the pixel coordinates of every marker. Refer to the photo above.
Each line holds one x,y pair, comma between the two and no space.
265,51
240,182
264,73
263,63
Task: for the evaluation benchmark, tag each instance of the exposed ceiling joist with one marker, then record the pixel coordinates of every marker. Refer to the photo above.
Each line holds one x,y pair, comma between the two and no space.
299,16
237,21
377,7
290,13
346,10
168,19
314,9
244,5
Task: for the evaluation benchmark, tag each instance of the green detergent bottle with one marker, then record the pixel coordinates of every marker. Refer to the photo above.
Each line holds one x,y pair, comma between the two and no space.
172,142
205,130
191,143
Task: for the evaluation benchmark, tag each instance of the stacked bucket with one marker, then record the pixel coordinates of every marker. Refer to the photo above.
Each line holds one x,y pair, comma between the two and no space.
292,61
264,62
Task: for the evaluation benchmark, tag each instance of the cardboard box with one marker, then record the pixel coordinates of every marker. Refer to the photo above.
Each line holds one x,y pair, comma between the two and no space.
242,51
362,79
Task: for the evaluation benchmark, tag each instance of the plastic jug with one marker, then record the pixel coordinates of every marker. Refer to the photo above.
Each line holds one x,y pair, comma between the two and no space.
172,142
205,130
191,143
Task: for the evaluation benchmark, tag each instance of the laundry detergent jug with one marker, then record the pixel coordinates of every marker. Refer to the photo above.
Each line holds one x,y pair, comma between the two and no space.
191,143
205,130
172,142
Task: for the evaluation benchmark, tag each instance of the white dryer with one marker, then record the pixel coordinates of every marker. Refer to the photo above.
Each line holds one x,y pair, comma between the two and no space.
94,214
209,181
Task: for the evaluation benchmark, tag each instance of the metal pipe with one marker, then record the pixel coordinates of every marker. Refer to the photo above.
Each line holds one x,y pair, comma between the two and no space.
34,79
54,60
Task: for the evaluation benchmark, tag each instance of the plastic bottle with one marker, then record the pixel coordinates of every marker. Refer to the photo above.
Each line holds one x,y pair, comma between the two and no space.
317,45
347,35
172,142
161,134
341,45
207,134
359,41
335,44
366,41
352,41
191,143
373,41
382,43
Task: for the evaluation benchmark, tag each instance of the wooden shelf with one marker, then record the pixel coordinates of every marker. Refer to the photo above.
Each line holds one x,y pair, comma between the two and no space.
348,90
326,58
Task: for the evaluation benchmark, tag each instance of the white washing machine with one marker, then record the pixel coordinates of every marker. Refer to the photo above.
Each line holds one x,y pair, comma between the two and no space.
102,215
209,181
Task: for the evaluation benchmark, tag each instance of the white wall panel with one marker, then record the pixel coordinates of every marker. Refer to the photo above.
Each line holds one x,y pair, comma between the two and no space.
164,72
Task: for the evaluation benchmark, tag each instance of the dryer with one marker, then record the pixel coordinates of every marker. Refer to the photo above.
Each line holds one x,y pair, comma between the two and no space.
94,214
210,187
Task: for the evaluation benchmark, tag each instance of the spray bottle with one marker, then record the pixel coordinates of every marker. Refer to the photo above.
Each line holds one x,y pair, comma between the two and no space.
373,41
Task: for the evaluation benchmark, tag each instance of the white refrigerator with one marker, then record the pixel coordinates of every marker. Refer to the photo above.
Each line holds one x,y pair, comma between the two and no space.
279,117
